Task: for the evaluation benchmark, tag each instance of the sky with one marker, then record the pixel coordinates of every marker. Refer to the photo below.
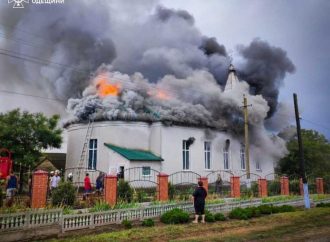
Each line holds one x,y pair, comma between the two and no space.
300,27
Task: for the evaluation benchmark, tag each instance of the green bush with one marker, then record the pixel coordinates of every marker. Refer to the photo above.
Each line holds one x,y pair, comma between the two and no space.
253,212
294,186
255,189
219,217
286,209
276,209
265,209
148,223
323,205
64,194
1,197
141,196
238,213
100,206
125,191
171,191
175,216
127,224
274,188
209,217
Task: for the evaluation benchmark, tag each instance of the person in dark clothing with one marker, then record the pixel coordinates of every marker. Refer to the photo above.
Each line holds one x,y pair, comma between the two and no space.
199,196
100,183
11,186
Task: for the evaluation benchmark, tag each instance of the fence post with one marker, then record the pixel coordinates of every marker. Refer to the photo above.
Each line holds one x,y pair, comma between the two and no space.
284,185
205,183
235,186
319,185
262,187
110,189
162,187
39,189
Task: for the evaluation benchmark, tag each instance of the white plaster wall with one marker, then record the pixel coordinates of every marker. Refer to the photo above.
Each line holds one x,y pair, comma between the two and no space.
164,141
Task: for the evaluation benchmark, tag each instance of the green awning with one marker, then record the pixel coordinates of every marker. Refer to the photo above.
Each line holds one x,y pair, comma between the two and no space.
134,155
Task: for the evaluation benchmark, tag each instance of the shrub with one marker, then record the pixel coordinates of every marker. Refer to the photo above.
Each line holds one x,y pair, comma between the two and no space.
64,194
286,208
171,191
219,217
141,196
276,209
209,217
253,212
265,209
175,216
125,191
323,205
255,189
127,224
294,186
238,213
148,223
274,188
1,197
100,206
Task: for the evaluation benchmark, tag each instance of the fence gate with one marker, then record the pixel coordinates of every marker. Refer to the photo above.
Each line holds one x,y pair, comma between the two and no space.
182,184
219,182
143,181
249,187
273,184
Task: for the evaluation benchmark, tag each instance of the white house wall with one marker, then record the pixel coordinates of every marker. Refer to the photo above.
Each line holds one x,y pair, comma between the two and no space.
164,141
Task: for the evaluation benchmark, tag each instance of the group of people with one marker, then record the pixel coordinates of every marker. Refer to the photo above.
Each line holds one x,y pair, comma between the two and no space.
99,184
54,180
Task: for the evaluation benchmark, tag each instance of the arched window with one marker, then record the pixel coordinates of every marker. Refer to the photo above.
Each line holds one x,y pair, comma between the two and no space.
226,155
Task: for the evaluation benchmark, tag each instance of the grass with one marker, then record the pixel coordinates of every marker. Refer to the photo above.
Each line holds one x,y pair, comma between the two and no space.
295,226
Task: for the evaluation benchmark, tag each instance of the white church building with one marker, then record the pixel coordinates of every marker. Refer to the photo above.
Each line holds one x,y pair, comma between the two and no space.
118,145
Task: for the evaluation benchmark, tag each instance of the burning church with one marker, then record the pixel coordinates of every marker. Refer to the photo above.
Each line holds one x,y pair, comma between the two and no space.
175,125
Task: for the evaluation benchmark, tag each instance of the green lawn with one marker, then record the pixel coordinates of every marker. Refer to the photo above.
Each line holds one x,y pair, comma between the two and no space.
295,226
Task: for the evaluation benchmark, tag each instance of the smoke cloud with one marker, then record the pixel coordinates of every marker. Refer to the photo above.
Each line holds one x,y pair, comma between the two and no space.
167,69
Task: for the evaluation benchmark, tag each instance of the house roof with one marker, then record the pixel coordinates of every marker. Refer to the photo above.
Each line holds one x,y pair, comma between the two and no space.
134,155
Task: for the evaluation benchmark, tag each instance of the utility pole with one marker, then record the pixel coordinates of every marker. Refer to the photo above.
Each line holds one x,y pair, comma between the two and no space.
246,136
301,153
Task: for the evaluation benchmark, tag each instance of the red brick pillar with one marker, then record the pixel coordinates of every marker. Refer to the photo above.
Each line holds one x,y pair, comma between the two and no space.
319,185
301,186
284,185
205,181
235,186
262,187
39,189
162,189
110,189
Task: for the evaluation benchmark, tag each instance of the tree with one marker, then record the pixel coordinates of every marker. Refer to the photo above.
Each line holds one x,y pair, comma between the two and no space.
26,135
316,154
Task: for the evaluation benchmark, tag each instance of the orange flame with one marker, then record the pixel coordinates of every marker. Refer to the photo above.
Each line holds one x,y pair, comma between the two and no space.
104,88
160,94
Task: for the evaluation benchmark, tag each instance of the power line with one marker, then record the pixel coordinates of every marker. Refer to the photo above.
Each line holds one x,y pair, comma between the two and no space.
315,123
31,95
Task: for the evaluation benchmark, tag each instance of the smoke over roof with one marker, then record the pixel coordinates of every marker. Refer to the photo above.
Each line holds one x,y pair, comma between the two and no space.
144,48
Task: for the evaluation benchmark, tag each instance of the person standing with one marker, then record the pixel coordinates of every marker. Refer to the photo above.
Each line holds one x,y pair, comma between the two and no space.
218,184
55,180
199,196
100,183
11,186
87,184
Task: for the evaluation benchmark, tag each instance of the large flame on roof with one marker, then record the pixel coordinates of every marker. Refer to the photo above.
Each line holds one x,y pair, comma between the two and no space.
105,88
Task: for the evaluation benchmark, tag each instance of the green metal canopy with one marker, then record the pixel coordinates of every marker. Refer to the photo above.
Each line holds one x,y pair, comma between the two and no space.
134,155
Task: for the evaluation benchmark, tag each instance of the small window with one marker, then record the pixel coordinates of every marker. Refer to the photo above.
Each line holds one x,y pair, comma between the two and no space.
242,155
258,167
185,155
207,154
92,154
146,171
